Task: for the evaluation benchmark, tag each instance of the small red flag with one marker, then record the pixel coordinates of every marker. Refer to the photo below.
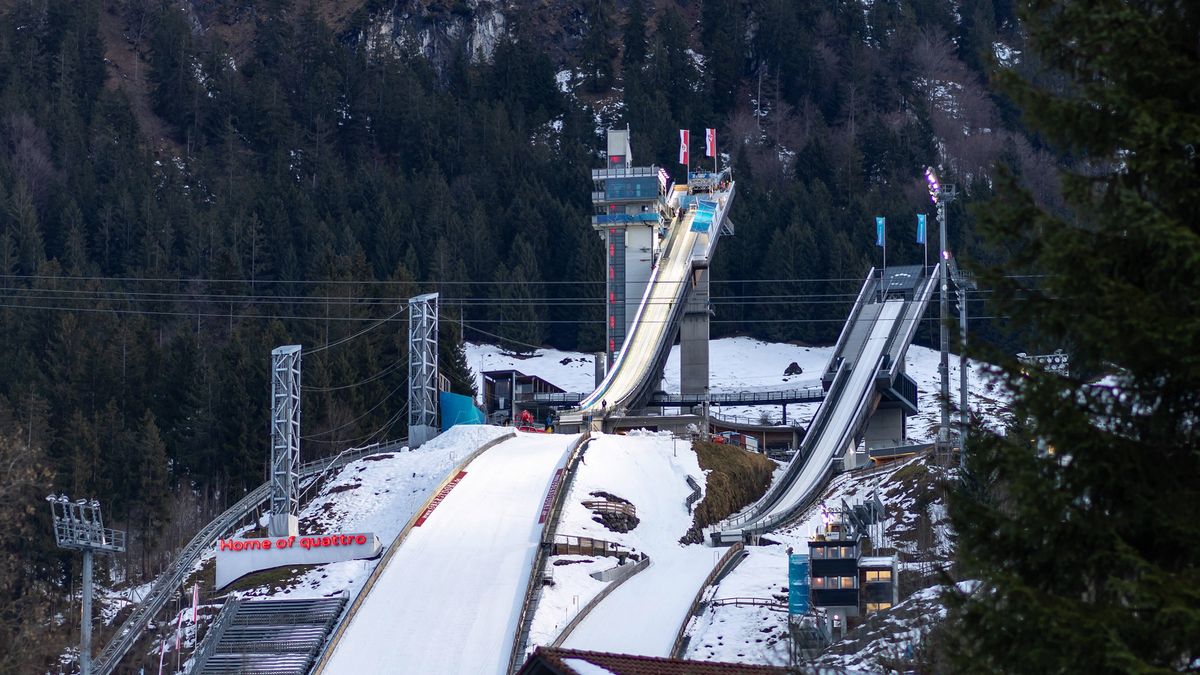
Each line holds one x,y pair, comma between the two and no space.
710,142
684,138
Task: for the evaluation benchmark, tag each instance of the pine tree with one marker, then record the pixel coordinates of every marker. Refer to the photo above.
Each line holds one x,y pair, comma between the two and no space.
1087,554
599,52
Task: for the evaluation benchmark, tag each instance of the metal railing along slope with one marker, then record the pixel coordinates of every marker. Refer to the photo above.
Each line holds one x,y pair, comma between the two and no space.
164,588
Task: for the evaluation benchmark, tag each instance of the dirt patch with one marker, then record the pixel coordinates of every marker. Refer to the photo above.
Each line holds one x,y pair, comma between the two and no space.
377,458
560,563
736,478
615,519
342,488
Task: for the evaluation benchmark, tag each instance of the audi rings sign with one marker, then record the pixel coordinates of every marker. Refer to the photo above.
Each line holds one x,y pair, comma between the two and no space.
239,557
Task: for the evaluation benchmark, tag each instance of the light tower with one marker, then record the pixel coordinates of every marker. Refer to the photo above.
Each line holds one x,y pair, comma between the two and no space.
79,525
285,441
943,195
422,368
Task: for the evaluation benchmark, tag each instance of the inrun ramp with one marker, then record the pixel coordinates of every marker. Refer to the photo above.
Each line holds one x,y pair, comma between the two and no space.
690,244
450,598
867,358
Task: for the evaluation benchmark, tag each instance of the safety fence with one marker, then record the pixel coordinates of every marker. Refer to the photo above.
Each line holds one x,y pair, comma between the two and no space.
165,587
340,629
724,566
533,587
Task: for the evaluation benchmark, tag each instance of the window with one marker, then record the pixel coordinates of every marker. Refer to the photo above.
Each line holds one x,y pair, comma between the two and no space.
878,606
818,582
832,552
879,575
817,551
849,582
847,551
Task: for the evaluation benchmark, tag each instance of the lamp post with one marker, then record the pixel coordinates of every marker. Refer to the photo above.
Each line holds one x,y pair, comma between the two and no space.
79,525
941,196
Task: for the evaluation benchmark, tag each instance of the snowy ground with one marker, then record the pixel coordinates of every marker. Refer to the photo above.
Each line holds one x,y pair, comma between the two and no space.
643,615
745,364
450,599
379,494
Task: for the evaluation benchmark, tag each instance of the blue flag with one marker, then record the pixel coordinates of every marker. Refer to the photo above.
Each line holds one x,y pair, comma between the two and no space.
879,230
920,228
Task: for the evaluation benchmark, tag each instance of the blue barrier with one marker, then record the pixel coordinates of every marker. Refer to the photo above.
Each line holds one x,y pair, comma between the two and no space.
458,409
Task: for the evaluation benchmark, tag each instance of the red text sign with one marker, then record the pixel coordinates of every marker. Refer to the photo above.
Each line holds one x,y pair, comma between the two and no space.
283,543
437,499
550,496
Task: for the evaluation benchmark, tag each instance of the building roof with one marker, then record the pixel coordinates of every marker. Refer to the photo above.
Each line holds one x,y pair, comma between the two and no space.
877,561
505,373
555,661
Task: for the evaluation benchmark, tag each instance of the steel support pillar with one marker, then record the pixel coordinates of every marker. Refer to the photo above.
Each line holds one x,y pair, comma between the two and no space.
285,441
422,368
944,307
693,338
85,629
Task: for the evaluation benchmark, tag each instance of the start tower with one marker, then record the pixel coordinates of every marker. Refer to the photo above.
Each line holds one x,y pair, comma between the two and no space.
630,213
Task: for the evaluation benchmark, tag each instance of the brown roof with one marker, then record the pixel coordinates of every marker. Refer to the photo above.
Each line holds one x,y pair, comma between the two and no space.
553,660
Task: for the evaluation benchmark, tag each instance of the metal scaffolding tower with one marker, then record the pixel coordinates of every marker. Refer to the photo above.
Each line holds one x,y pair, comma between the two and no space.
79,525
285,441
422,368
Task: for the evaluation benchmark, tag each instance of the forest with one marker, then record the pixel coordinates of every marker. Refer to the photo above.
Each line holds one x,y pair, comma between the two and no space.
175,202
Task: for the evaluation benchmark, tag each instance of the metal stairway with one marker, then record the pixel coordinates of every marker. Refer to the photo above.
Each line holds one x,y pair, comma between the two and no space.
269,637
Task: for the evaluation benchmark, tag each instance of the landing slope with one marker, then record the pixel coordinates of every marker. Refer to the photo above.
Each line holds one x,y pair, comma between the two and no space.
450,598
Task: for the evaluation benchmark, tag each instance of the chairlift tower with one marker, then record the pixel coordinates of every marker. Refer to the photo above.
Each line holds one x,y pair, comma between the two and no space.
422,368
79,525
285,441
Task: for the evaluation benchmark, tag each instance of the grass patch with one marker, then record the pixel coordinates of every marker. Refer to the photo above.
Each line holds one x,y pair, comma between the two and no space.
736,478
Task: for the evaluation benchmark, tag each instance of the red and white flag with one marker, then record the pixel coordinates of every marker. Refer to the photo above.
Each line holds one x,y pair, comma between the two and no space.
684,138
178,629
710,142
195,600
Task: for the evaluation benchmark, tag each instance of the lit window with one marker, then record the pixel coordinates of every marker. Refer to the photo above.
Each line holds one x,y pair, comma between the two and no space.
879,575
847,551
848,582
818,582
878,606
817,551
831,552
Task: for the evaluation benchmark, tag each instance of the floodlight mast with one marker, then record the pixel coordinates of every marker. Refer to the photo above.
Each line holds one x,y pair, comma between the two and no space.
79,525
941,196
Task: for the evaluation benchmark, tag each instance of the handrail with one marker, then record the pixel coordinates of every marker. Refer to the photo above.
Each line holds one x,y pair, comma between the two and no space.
340,629
605,506
718,570
165,586
213,637
750,602
854,312
820,421
599,597
529,603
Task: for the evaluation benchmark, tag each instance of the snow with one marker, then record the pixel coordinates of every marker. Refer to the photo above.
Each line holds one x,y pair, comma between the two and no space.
643,615
746,364
458,580
379,494
582,667
746,634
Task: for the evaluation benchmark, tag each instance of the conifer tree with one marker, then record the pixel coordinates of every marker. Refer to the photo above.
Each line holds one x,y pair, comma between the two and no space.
1086,553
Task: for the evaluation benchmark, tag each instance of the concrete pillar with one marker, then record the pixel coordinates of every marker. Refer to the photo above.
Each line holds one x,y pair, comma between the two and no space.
693,338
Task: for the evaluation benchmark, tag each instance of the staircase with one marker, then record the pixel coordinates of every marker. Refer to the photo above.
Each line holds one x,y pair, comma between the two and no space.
272,637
